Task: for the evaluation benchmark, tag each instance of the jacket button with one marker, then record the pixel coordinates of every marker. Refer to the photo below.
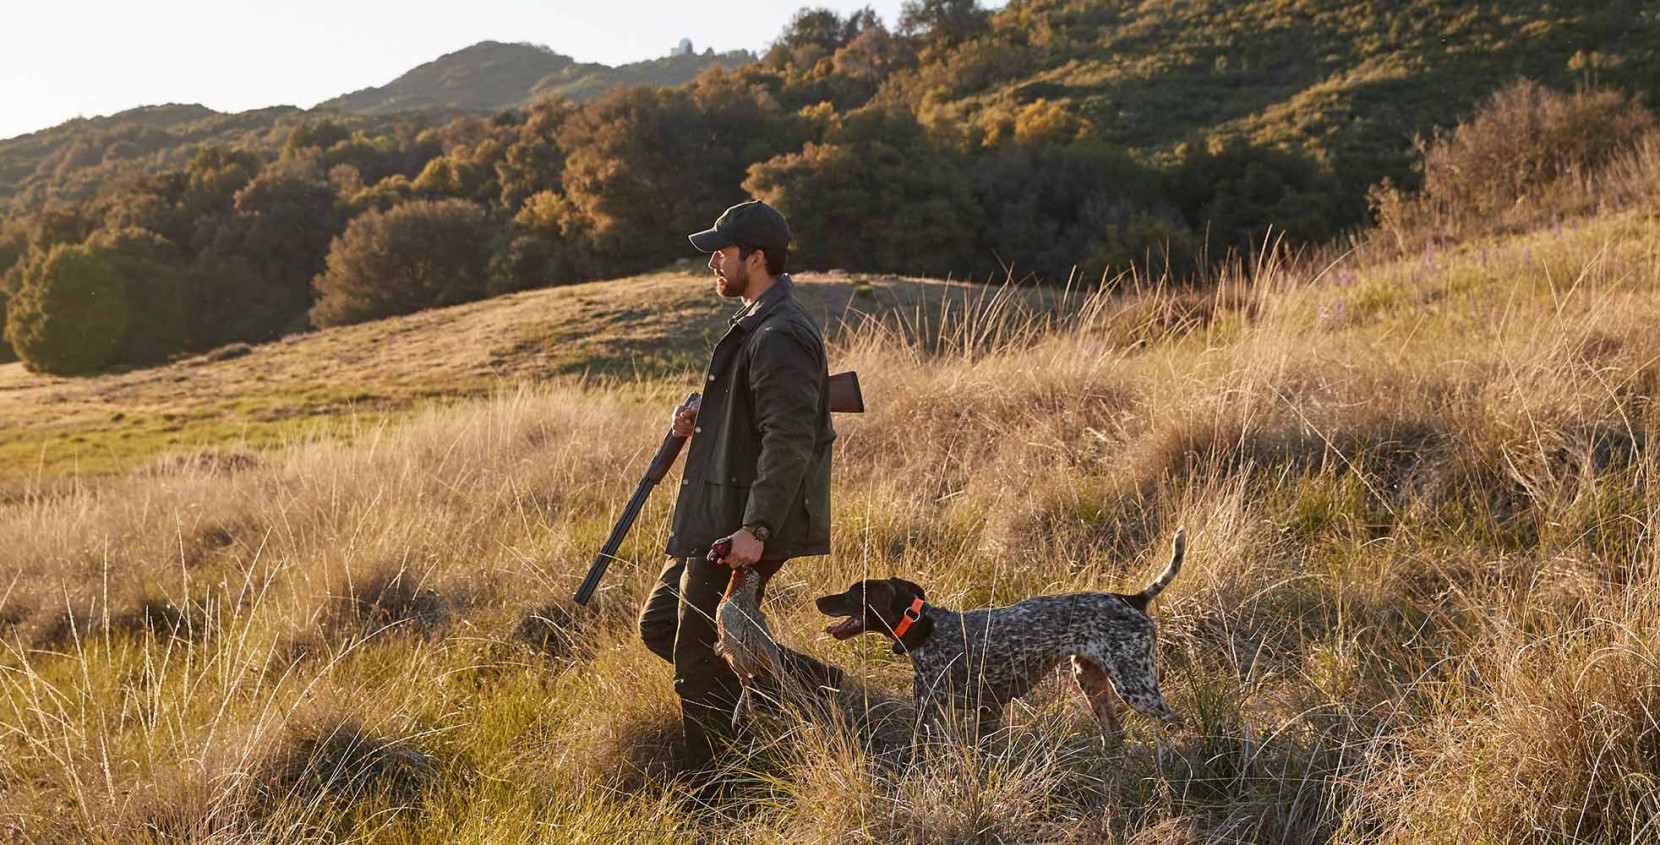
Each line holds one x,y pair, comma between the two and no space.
711,378
685,481
697,430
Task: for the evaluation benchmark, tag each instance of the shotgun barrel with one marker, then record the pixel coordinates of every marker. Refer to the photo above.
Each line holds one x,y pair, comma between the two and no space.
660,465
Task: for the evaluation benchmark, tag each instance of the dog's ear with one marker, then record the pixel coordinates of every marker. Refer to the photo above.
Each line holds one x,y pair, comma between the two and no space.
902,586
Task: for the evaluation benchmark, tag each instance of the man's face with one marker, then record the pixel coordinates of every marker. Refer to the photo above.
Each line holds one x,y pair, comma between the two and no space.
731,272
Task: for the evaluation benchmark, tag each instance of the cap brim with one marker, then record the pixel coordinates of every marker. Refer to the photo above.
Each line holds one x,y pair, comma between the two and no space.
709,240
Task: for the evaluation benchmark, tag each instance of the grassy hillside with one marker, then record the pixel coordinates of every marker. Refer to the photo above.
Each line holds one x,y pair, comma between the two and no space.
1419,606
243,399
1352,82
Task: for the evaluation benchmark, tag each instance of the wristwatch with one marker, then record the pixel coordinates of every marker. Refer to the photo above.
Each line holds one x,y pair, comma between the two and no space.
759,532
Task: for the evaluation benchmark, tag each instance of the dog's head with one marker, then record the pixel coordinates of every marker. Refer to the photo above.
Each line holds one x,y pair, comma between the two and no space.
873,606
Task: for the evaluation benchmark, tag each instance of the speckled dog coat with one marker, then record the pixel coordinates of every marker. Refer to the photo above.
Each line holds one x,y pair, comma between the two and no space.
974,663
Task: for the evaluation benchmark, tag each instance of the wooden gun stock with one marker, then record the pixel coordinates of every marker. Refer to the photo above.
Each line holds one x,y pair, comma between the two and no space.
845,397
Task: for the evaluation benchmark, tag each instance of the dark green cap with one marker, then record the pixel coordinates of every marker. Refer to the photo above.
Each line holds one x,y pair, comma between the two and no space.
750,224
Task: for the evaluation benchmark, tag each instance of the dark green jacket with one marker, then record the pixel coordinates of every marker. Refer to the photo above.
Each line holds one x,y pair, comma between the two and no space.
761,451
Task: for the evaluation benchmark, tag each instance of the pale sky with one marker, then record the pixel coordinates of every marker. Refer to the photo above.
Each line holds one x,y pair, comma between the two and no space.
84,58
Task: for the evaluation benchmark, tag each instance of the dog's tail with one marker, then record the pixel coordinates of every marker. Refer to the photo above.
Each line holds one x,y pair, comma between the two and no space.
1170,572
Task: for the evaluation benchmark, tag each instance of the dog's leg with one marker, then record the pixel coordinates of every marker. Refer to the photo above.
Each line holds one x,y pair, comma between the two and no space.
932,714
1097,689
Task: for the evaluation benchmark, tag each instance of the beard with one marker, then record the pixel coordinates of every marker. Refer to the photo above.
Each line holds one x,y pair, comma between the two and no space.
732,286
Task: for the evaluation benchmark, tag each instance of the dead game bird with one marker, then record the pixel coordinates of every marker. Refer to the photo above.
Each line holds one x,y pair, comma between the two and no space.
745,642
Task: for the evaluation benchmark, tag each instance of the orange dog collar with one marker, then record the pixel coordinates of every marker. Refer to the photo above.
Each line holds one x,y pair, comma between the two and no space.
912,614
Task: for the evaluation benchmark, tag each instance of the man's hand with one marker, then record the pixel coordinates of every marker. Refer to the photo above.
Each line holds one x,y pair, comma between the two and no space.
745,549
684,420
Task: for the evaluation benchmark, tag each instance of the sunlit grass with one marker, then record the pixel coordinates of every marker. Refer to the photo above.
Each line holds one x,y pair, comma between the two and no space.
1419,602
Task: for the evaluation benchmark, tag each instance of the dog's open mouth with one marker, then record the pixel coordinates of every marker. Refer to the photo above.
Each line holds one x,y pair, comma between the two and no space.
850,627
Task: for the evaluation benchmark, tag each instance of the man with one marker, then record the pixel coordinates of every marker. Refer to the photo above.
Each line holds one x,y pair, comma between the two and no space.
757,471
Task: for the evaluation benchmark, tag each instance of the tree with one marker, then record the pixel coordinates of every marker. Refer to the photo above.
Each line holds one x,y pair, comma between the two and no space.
70,313
251,281
115,299
1236,192
14,250
421,254
1050,209
544,247
534,160
314,136
150,272
819,28
942,22
212,179
871,56
7,354
878,194
645,167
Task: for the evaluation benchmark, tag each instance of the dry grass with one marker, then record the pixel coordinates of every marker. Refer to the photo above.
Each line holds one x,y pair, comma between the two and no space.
1419,605
1529,157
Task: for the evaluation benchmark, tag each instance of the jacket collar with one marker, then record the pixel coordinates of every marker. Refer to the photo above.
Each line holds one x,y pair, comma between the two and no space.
749,316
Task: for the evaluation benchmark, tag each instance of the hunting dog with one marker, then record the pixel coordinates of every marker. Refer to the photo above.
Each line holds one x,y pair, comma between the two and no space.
975,663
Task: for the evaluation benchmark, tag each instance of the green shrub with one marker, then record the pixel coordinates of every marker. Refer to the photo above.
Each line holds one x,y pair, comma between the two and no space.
1528,154
117,298
70,314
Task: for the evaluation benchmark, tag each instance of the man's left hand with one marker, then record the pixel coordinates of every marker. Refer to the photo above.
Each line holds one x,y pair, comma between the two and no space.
745,549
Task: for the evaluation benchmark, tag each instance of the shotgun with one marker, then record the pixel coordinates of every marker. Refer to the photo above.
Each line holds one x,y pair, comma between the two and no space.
844,398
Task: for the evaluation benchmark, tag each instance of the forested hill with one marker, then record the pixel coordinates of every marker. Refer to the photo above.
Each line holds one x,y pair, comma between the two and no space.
75,158
491,75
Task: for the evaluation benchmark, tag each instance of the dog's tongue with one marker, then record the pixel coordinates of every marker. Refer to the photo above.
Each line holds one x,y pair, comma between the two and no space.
845,628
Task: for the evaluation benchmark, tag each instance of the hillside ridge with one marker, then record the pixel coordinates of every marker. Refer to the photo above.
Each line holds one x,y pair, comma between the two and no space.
492,75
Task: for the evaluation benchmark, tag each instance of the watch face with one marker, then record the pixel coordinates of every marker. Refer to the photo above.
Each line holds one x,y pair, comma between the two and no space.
761,533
